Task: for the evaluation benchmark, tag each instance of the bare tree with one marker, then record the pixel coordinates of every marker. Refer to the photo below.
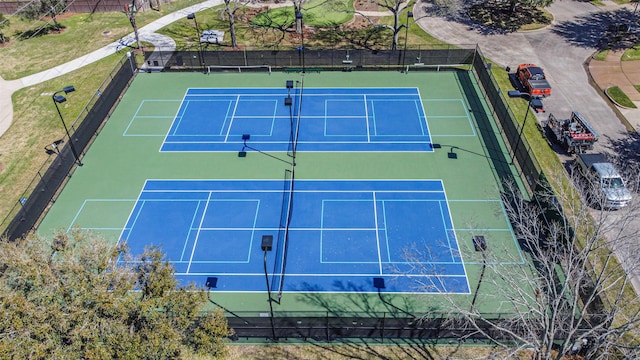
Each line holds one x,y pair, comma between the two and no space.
131,10
230,9
569,290
395,7
270,29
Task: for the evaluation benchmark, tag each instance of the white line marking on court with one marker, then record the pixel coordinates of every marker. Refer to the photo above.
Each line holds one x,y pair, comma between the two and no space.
235,108
424,112
76,216
133,118
178,119
375,219
297,191
206,206
444,225
239,228
226,115
193,220
366,117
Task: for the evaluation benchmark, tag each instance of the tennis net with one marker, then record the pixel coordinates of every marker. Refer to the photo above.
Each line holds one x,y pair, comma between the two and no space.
289,184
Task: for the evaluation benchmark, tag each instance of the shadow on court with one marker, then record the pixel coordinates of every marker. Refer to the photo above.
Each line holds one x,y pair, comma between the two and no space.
488,130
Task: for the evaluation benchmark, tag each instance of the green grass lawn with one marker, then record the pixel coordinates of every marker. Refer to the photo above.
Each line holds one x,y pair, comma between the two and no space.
319,13
37,124
631,54
619,97
83,33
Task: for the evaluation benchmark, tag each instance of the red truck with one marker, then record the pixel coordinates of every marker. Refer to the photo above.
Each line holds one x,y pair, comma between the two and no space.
532,78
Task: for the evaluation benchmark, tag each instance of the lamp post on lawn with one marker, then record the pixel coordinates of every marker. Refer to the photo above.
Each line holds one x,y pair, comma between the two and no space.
479,244
301,47
192,16
406,35
59,99
267,243
519,140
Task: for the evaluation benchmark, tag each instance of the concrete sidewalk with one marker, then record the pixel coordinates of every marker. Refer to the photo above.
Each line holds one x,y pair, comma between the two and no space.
624,74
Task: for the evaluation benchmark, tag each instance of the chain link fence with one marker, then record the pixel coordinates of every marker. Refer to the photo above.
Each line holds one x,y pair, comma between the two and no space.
53,174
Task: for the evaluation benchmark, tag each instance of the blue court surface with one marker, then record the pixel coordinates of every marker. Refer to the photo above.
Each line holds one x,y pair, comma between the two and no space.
321,119
338,236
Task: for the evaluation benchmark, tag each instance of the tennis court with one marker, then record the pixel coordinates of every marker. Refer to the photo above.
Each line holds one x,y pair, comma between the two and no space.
331,119
342,231
390,178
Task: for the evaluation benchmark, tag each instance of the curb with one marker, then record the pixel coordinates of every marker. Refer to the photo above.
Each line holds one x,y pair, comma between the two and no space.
614,107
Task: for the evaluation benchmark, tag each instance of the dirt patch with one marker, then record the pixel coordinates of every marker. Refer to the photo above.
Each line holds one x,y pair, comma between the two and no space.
363,5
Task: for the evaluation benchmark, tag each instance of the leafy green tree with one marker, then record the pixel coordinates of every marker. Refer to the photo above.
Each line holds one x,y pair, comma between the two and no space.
513,4
76,297
41,8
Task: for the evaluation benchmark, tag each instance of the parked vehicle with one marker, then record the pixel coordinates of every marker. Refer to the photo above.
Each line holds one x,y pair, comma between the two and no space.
574,134
605,187
533,80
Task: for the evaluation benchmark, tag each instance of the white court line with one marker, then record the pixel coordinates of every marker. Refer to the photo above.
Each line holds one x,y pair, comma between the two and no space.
375,219
198,233
235,108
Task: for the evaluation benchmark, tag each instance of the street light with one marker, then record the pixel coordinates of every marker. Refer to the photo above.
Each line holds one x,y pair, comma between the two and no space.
406,35
131,57
59,99
192,16
266,245
301,47
519,140
479,244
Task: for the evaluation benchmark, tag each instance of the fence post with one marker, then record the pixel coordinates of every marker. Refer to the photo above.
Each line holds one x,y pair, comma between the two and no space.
327,333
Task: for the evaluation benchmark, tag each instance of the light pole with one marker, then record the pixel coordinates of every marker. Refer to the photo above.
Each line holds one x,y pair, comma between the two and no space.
192,16
479,244
519,140
59,99
406,35
267,244
131,57
301,47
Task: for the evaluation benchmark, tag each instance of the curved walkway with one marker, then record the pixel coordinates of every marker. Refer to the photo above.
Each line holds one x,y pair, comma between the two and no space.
146,33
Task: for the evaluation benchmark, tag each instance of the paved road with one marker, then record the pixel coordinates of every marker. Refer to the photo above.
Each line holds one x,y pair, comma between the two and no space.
562,49
552,48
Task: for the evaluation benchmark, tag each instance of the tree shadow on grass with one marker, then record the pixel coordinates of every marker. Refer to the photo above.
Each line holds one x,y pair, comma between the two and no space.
41,31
